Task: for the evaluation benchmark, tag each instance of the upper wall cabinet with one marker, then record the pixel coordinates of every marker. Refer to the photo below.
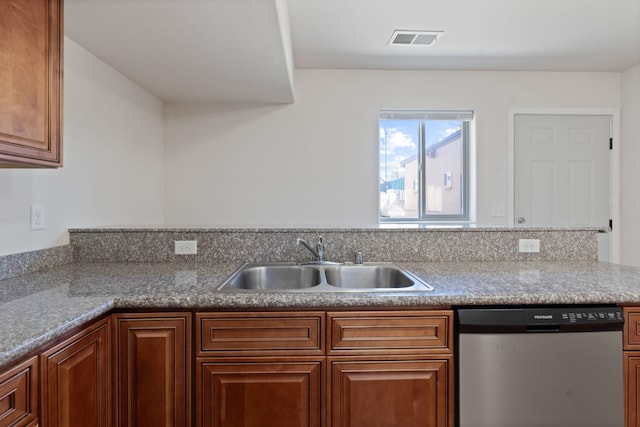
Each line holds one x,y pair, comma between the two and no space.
31,44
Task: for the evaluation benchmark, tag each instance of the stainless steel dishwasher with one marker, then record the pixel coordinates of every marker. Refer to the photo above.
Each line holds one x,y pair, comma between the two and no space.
540,367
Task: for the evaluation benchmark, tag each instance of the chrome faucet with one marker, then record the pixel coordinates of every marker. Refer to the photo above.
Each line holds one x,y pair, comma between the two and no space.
320,249
318,252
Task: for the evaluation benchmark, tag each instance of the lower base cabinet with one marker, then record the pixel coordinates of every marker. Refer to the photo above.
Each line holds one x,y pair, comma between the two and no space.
260,369
19,395
76,382
632,366
259,393
632,388
152,365
390,368
384,393
252,369
364,369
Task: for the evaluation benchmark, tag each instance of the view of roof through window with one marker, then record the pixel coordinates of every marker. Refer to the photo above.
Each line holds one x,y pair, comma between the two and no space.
422,164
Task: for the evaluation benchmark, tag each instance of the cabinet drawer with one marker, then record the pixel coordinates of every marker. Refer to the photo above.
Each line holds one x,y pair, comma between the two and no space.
632,328
19,395
393,332
260,333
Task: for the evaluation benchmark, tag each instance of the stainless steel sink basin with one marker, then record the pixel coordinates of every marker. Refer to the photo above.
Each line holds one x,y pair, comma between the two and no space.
283,277
368,276
272,277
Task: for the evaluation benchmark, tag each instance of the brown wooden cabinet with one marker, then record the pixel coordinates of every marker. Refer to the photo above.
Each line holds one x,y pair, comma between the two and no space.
260,334
632,366
152,366
259,393
391,368
76,382
632,388
253,369
31,46
368,368
19,395
388,393
259,369
390,332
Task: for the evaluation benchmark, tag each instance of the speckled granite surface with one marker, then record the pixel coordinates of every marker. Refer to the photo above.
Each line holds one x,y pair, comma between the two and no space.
45,294
27,262
376,244
38,307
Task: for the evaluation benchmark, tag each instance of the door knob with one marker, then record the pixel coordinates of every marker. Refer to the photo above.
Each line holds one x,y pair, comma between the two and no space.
521,220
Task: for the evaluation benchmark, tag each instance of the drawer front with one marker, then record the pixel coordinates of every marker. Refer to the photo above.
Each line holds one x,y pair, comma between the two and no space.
394,332
260,333
19,395
632,328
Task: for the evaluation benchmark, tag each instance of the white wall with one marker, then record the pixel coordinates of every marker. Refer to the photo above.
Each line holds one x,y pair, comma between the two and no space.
630,173
113,161
314,162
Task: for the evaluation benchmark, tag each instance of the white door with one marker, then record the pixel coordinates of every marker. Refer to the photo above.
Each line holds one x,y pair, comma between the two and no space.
562,172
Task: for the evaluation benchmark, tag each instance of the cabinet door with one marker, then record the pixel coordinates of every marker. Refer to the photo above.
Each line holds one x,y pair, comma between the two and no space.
632,388
259,393
31,82
152,369
75,380
407,393
19,395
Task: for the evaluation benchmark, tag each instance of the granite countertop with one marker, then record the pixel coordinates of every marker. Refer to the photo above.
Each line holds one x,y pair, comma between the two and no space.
38,307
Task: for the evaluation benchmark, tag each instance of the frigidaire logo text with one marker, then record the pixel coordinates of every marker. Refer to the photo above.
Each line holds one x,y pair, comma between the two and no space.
543,316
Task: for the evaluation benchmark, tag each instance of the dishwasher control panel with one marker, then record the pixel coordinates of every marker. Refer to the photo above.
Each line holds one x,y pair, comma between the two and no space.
540,319
586,315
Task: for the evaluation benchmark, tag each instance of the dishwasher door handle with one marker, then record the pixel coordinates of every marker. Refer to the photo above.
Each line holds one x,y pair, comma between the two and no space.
543,328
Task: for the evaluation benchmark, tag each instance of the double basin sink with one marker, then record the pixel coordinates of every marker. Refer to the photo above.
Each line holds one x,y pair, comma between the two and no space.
289,277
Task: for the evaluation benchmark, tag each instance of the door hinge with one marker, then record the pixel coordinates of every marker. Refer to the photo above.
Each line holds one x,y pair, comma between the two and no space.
610,143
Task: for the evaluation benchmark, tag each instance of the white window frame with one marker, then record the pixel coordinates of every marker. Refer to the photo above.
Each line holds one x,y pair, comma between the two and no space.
466,116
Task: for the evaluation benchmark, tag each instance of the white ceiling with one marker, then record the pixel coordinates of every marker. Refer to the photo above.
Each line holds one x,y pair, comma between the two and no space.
246,50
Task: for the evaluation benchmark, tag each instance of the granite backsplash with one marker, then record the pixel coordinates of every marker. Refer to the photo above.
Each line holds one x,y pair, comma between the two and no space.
106,245
376,244
28,262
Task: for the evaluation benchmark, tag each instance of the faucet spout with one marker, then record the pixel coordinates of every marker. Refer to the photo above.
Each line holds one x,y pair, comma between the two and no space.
308,246
320,249
318,252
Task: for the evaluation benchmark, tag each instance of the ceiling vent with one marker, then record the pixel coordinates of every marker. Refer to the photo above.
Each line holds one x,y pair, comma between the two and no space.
418,38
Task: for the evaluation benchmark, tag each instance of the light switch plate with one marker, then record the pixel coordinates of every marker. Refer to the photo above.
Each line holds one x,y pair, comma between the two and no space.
37,217
497,209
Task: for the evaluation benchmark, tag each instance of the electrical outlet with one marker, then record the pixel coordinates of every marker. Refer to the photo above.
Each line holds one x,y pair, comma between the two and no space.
529,245
37,217
186,247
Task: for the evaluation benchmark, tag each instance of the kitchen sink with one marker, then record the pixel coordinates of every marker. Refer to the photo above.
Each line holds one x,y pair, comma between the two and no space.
368,276
274,277
289,277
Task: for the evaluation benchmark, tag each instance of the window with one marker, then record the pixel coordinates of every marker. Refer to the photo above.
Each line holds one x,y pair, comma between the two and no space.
424,165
